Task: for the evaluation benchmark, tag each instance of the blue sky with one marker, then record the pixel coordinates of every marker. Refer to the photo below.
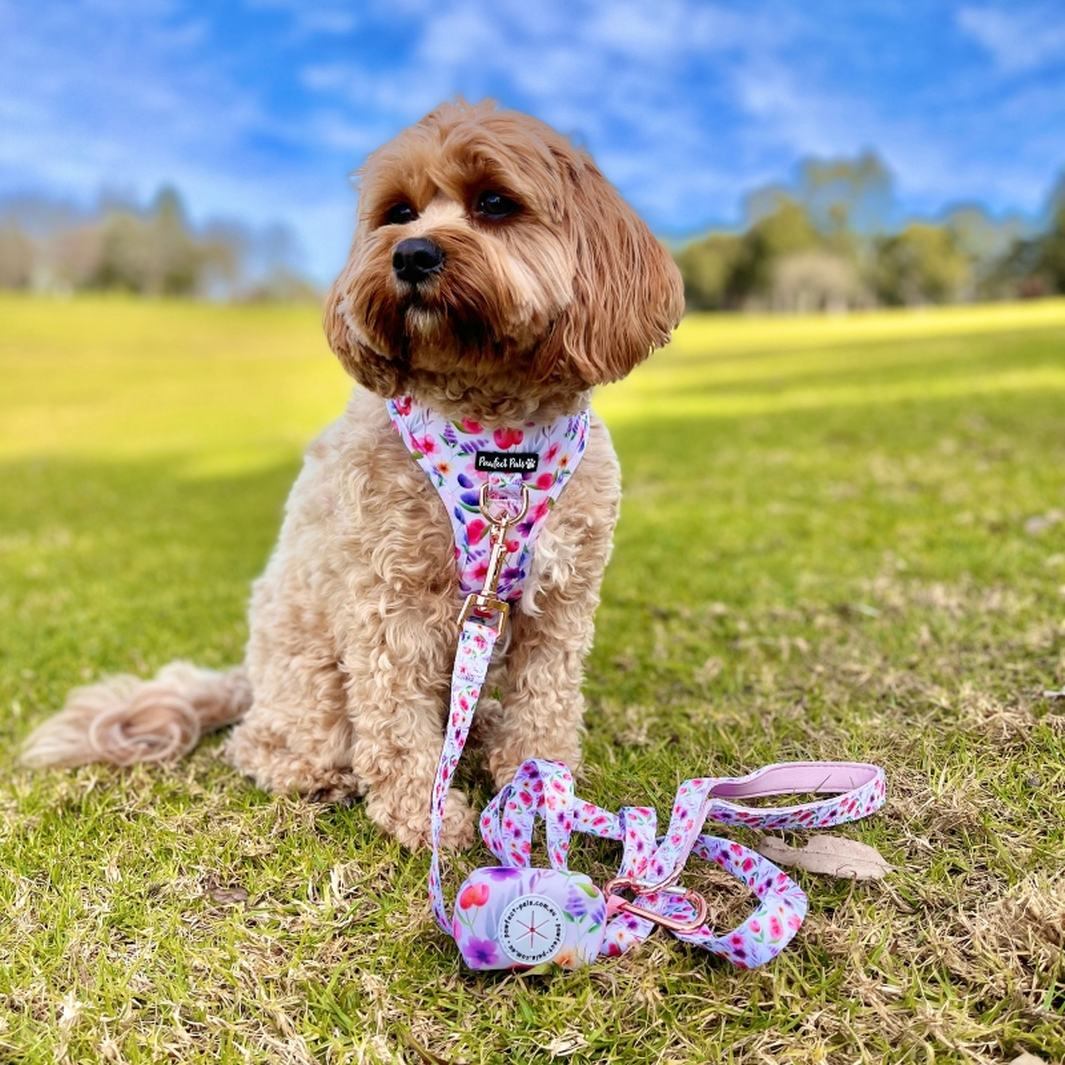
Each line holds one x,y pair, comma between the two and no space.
259,109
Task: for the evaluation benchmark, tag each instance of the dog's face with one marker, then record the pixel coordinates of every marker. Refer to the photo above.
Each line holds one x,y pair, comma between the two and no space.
490,254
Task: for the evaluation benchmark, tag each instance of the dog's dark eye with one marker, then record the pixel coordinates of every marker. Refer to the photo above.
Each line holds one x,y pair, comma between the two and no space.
495,205
400,214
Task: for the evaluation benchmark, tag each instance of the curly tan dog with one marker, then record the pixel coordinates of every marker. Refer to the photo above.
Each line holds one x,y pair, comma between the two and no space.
523,281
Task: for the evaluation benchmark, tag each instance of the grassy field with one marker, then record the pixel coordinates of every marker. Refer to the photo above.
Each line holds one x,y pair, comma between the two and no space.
841,539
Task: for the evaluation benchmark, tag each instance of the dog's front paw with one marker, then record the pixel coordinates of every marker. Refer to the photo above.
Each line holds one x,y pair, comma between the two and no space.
459,822
412,828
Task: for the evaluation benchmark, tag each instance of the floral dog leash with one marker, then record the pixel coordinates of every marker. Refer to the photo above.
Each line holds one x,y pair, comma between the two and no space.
516,916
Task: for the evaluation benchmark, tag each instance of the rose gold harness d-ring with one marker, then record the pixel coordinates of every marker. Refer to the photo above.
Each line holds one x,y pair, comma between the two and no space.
485,602
507,519
674,924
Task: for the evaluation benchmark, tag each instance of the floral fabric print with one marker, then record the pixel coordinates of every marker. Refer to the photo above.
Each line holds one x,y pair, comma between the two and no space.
447,452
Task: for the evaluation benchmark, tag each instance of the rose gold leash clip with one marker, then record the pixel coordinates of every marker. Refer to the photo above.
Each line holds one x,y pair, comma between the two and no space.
616,903
485,602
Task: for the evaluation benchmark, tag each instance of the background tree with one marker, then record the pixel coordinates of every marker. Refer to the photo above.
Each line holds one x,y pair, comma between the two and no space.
16,257
1051,254
922,264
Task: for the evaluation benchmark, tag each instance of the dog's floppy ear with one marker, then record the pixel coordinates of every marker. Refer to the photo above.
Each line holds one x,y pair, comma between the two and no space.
358,359
627,291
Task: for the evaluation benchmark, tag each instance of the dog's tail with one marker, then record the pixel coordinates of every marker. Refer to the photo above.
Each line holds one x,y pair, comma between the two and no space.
125,719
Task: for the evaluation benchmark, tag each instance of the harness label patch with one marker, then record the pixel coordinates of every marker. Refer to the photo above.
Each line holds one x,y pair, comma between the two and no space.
507,461
530,929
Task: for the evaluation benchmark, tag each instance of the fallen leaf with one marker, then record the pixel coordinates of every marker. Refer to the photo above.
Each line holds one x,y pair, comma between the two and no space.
565,1044
1039,523
228,896
832,855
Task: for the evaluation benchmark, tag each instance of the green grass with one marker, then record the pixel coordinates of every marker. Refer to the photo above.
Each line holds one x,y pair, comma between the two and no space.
827,550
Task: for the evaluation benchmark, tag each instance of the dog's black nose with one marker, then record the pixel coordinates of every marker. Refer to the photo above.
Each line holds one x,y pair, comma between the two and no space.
416,259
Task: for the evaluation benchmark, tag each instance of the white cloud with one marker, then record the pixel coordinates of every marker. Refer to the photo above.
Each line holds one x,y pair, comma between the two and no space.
1018,39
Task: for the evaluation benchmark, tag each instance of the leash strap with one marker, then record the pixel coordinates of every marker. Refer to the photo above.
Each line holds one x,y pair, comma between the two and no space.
543,789
477,640
651,864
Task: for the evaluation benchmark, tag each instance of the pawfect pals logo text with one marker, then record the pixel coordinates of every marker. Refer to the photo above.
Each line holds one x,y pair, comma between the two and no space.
530,929
507,461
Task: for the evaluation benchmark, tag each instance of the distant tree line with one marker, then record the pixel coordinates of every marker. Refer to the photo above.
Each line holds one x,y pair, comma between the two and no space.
828,241
151,250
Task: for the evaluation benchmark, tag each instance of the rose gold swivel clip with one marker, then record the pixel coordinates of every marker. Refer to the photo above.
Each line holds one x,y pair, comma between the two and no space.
485,602
617,904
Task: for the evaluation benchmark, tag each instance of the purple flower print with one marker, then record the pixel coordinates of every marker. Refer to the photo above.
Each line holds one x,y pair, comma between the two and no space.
502,872
597,911
577,902
481,953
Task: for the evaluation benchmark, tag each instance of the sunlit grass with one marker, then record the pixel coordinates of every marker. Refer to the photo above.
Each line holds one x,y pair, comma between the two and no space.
841,537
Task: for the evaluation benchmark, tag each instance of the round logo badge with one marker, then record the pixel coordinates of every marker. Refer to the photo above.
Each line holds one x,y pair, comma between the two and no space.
530,929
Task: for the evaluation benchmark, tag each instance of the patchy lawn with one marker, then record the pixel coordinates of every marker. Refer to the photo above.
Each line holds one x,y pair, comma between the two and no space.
841,538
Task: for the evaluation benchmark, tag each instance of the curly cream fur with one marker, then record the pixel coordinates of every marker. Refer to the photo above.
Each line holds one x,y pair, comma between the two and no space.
343,690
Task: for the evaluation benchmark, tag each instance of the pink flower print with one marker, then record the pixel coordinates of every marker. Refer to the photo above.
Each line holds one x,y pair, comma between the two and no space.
794,920
550,453
505,438
402,405
474,895
476,529
776,930
469,425
426,445
756,927
544,481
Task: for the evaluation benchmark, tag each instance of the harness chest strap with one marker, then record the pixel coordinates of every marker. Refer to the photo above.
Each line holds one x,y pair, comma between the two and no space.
463,459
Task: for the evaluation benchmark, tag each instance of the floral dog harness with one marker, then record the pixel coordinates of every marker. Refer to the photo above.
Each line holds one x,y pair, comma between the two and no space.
498,486
461,457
